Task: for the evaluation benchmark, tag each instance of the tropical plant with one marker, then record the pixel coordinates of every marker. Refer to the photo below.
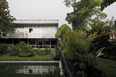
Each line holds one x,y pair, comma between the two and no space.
77,42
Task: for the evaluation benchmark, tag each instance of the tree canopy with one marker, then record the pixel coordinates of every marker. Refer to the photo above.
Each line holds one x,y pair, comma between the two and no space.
62,30
5,18
106,3
83,11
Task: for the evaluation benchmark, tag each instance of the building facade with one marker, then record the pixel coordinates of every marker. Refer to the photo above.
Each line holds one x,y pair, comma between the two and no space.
36,33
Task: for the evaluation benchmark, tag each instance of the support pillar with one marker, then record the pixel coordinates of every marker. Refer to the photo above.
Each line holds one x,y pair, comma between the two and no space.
42,44
5,40
50,44
35,42
13,41
28,42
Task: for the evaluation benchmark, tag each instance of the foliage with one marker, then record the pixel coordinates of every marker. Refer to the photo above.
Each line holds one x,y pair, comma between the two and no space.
109,52
99,25
77,42
5,18
107,56
99,42
76,49
23,54
56,57
106,3
3,48
84,66
69,2
22,49
62,31
99,51
43,52
105,67
103,30
83,11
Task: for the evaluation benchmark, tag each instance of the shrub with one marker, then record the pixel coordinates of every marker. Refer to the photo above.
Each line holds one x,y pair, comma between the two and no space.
76,50
76,42
100,41
47,51
83,66
23,50
10,47
3,48
16,49
56,57
40,52
23,54
110,50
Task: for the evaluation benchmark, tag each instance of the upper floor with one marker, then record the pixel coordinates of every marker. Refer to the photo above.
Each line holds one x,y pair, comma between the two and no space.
34,29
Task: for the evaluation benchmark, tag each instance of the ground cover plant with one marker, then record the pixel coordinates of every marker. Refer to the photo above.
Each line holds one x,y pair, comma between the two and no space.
36,57
3,48
107,66
22,51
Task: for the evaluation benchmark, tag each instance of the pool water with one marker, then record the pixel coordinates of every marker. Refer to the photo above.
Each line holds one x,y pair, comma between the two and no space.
26,69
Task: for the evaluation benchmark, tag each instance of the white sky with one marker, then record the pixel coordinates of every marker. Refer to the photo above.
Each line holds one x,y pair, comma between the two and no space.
46,9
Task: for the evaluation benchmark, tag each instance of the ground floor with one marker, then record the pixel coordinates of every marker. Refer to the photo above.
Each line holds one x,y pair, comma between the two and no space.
38,43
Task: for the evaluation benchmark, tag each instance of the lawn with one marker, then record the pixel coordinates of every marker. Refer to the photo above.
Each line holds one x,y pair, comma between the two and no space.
36,57
107,66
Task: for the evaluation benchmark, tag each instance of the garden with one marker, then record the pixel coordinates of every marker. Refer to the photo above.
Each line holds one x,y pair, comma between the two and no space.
22,51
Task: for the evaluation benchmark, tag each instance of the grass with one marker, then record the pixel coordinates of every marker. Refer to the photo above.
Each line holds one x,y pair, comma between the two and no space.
110,62
37,57
105,67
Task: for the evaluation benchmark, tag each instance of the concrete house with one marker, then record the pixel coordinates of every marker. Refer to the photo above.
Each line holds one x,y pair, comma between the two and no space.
36,33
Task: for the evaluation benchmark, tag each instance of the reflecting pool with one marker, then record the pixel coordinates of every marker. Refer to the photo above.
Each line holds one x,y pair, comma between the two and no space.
26,69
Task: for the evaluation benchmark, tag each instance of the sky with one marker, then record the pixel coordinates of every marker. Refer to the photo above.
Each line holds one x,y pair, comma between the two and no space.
46,9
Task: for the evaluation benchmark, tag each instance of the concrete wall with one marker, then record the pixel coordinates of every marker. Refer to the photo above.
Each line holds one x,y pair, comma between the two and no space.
38,31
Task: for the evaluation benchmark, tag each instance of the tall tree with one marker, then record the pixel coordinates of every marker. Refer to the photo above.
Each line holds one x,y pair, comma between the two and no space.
98,24
106,3
5,18
69,2
83,11
62,31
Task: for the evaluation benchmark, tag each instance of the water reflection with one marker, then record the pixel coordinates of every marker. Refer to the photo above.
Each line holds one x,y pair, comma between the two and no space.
35,69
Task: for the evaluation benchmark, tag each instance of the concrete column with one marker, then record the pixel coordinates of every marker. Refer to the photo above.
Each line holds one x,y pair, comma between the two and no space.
28,42
42,44
5,41
12,41
35,42
50,44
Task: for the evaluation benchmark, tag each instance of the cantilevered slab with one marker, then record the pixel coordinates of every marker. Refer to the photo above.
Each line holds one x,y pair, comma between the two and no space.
35,22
